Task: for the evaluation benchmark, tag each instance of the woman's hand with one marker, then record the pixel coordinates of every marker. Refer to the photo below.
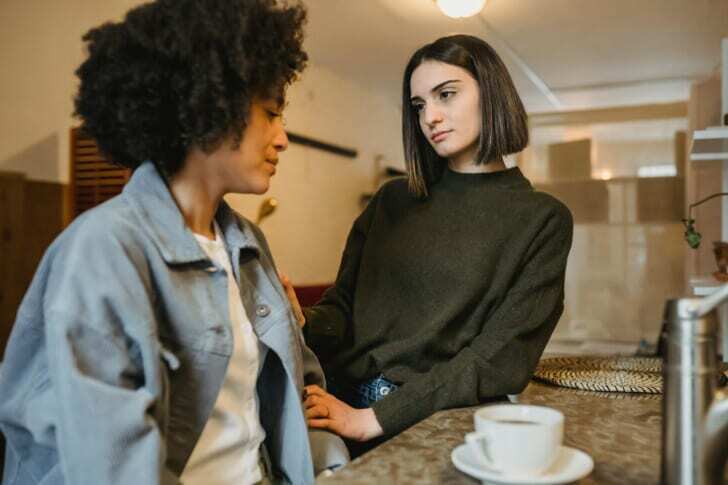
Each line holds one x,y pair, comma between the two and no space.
324,411
291,294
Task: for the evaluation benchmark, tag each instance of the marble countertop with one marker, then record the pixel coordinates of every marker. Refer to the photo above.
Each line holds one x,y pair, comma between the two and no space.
620,431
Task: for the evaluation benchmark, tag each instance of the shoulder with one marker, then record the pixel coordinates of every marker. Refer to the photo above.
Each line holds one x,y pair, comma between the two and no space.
101,265
106,243
397,185
535,206
394,192
553,207
112,224
553,221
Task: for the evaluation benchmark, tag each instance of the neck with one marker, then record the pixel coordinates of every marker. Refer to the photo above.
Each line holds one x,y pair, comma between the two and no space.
469,166
197,194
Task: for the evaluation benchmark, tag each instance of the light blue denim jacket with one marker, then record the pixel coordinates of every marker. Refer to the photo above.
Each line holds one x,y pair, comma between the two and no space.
122,342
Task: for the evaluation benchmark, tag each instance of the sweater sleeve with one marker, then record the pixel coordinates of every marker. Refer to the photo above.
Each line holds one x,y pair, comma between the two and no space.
502,358
328,322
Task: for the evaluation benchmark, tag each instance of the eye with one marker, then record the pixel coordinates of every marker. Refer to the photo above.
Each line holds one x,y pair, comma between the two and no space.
417,107
272,114
447,94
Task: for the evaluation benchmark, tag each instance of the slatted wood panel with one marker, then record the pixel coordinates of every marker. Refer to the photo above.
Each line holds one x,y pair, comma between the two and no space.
93,179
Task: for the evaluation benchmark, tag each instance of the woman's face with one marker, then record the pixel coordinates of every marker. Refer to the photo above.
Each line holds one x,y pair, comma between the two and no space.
249,167
447,100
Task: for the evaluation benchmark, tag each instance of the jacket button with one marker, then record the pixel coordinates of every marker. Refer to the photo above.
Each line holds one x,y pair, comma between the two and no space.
262,311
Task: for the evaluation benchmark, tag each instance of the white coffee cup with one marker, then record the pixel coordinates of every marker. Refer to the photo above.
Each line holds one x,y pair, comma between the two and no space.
516,439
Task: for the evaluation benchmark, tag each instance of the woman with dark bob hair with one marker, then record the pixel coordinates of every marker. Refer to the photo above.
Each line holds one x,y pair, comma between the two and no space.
156,343
452,280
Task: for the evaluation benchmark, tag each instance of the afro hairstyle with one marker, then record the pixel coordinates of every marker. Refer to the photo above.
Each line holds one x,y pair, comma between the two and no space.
177,74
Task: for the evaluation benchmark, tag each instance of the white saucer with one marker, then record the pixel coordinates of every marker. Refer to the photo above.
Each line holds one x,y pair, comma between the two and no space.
570,466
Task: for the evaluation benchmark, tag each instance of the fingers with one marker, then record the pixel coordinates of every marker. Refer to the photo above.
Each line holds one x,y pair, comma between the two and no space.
287,285
320,424
292,298
314,390
311,401
317,411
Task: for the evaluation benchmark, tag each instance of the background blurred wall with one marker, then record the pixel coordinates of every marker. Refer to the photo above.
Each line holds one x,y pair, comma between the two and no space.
318,193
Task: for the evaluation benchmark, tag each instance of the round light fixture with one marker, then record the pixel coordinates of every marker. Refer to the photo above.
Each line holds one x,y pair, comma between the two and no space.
460,8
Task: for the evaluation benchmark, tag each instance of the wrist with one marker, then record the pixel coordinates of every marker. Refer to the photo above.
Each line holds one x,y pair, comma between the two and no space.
370,425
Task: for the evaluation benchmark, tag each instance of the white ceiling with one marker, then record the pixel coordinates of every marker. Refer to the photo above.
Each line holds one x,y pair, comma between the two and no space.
588,53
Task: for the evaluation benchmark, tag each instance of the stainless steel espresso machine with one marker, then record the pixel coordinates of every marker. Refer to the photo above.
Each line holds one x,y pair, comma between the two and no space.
695,411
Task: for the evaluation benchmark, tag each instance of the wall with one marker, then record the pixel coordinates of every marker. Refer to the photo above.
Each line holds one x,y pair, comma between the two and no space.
319,193
627,253
40,48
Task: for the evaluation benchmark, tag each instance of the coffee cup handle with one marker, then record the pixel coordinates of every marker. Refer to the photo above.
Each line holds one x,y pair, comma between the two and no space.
475,441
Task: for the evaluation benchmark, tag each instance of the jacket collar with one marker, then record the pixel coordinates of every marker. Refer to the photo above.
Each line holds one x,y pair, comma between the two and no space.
149,196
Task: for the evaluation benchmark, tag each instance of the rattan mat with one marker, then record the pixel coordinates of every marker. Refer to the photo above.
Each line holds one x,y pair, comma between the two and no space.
607,374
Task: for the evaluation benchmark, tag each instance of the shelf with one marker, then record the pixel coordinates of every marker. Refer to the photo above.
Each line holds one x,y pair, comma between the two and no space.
710,145
704,285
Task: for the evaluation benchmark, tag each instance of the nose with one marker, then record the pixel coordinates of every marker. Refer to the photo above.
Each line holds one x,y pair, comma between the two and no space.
280,141
431,115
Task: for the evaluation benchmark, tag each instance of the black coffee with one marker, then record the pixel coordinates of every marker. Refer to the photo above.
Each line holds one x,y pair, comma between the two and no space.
515,421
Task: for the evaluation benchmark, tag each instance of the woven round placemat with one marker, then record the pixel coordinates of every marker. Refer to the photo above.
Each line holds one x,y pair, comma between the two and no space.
607,374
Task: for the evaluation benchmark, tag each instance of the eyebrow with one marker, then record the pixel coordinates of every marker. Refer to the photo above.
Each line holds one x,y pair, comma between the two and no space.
438,87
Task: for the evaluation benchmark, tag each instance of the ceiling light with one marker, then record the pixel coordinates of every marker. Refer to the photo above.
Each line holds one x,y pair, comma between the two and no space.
460,8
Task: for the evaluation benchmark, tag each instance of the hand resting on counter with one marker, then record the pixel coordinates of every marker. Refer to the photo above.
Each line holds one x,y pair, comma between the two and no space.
325,411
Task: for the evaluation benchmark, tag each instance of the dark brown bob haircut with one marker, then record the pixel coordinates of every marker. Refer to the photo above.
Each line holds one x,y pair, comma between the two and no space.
504,121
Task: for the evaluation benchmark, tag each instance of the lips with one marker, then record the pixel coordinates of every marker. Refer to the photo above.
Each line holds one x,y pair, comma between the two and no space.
438,136
273,163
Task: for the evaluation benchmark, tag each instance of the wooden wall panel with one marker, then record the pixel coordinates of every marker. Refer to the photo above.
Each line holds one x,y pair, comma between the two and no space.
588,200
31,217
660,199
569,161
12,207
44,222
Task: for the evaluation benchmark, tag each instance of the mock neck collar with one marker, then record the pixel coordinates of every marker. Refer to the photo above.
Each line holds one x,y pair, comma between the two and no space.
510,178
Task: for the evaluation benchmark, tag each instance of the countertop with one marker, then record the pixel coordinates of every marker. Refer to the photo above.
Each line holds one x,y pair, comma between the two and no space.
620,431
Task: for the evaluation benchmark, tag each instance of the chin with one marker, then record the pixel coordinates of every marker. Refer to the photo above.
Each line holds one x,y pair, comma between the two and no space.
257,187
260,189
446,151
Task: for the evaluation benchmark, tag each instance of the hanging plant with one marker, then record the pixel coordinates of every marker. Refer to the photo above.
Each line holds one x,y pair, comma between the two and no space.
692,236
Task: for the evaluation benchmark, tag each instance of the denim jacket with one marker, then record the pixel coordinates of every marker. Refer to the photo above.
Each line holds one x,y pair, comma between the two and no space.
122,342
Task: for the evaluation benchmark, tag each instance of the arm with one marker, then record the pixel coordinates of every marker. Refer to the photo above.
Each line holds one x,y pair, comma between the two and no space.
500,360
103,359
327,323
497,362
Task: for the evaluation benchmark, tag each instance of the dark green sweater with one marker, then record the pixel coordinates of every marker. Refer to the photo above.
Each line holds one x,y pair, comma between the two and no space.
453,297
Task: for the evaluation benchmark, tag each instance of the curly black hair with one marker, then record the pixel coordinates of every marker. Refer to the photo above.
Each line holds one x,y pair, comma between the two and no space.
177,74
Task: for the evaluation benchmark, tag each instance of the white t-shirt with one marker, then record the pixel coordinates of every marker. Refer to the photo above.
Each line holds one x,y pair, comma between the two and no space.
228,449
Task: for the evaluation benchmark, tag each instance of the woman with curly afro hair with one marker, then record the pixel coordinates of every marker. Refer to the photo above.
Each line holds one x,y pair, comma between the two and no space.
156,343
